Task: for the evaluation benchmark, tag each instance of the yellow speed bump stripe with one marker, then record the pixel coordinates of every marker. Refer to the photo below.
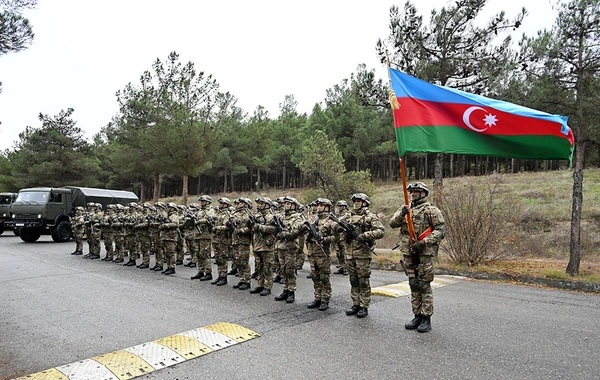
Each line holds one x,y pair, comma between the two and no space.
148,357
402,288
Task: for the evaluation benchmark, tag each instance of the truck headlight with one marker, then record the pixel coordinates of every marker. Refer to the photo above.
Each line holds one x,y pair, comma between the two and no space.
39,216
14,216
4,215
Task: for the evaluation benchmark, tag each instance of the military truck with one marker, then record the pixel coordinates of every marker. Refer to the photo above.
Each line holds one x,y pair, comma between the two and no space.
46,210
6,199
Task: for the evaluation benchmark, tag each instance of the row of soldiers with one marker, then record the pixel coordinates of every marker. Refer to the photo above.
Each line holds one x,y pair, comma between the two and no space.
276,233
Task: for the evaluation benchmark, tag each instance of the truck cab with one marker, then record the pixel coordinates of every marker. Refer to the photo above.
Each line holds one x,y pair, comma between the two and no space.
6,199
42,211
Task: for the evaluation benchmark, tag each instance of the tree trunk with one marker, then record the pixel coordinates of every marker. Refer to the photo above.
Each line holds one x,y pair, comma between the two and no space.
156,187
575,245
438,179
283,175
224,183
185,192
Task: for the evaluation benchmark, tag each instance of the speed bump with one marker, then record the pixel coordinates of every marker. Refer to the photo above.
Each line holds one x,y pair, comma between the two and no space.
403,289
148,357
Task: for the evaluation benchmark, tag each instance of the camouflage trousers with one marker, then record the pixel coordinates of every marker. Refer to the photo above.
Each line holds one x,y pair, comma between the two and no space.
263,266
300,253
179,248
221,255
108,236
241,259
144,244
359,271
93,239
278,264
170,247
289,268
320,269
340,254
159,252
78,235
419,280
119,239
200,250
133,245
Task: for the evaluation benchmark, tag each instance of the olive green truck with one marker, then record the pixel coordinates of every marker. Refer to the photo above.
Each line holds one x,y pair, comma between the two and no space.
46,210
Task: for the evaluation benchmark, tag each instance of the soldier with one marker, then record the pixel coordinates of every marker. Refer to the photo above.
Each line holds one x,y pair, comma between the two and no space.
191,233
241,239
321,235
429,231
159,219
287,246
142,227
180,238
301,243
202,243
131,238
343,212
108,233
361,230
119,232
93,235
221,240
263,244
278,261
78,223
169,235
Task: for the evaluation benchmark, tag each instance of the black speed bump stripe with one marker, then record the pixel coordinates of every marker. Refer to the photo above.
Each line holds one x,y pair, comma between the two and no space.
148,357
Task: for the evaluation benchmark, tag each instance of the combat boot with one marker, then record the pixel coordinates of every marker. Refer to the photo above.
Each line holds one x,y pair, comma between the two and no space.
282,297
197,276
254,275
425,324
232,272
256,290
206,277
236,286
339,271
353,310
324,306
265,292
216,281
244,286
291,297
143,266
363,312
414,323
157,268
277,278
222,281
130,263
314,304
169,271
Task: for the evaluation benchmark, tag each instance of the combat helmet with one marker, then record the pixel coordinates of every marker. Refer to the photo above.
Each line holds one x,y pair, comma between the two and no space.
362,196
292,200
418,186
342,204
205,198
324,201
224,200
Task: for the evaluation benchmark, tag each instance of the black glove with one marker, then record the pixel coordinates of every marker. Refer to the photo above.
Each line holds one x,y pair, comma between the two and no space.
418,246
404,211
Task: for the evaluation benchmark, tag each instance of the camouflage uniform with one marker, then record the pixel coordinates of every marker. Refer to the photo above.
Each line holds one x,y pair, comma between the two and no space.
119,232
108,232
263,244
78,224
429,228
287,247
221,239
158,218
169,235
180,237
93,230
240,241
142,227
201,245
358,255
339,246
131,238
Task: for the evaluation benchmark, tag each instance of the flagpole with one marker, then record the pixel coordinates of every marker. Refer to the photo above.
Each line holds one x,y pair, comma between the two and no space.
395,105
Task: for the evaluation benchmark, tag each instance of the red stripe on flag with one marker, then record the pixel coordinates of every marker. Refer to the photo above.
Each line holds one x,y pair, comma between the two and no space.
479,119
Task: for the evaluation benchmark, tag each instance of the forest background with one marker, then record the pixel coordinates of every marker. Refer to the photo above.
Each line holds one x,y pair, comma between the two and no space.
176,134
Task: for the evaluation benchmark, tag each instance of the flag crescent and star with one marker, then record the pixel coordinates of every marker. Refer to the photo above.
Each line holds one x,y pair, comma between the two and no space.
437,119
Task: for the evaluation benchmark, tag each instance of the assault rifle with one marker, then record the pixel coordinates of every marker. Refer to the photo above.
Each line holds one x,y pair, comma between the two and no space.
233,225
314,235
351,232
189,214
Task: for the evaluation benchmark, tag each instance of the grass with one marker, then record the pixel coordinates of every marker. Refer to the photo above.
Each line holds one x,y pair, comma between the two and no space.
544,199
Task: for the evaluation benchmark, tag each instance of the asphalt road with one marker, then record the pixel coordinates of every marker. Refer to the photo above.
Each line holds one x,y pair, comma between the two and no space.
57,309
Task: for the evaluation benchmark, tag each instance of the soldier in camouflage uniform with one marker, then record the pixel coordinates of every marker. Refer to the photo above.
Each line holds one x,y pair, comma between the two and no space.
142,227
78,224
180,237
263,244
343,211
241,240
169,235
108,233
287,246
202,246
429,229
159,219
365,228
93,234
321,236
118,234
221,240
278,261
301,242
131,238
191,234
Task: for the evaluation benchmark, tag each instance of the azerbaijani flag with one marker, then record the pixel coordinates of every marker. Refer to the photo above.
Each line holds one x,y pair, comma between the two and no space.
438,119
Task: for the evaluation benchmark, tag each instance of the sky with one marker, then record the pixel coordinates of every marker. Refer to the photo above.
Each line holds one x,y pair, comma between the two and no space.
260,51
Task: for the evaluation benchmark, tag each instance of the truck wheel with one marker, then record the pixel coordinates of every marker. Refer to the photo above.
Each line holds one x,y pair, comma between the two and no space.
1,230
29,236
62,232
16,231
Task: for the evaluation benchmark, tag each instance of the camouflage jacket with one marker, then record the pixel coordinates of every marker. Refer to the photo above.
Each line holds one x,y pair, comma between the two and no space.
263,232
424,216
292,224
369,228
327,229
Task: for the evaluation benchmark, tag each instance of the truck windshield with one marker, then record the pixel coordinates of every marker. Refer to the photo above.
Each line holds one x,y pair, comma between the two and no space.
4,200
32,196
